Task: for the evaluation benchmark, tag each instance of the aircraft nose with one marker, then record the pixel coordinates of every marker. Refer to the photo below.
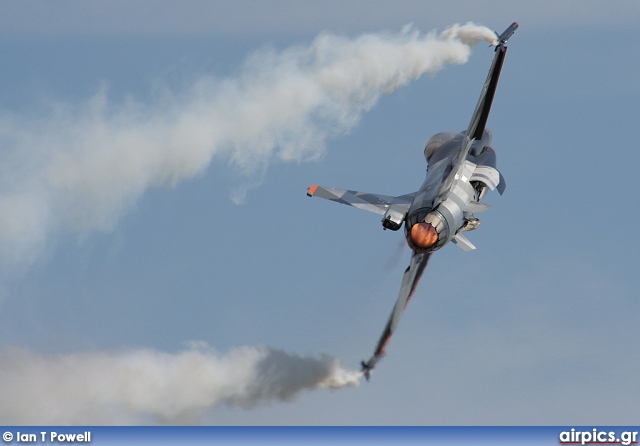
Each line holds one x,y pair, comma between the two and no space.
424,235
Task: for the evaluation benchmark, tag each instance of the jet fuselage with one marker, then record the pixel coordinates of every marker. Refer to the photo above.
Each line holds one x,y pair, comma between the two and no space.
442,205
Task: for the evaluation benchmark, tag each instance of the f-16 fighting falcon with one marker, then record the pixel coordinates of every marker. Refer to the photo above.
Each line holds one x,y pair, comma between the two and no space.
460,169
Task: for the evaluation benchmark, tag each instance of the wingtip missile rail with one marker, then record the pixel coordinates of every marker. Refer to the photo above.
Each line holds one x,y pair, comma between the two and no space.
368,366
504,37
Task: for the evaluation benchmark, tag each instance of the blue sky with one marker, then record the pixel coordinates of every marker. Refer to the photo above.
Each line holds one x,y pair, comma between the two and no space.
537,326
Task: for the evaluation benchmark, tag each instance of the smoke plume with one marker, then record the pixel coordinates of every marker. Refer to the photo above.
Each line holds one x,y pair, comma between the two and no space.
147,386
79,167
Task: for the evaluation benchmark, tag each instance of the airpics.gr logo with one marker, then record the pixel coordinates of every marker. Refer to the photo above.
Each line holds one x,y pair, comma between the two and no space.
595,436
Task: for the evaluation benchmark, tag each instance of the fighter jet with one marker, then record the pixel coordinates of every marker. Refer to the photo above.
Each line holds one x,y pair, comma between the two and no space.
460,169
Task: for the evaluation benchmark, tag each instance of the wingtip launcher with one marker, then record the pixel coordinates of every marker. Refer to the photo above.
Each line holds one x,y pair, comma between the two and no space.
504,37
368,366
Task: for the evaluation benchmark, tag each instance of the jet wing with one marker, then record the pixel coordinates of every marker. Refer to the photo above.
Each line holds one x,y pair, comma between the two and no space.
362,200
481,113
409,282
475,131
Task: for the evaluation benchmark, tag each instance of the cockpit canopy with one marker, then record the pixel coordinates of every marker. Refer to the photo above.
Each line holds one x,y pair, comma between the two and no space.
435,142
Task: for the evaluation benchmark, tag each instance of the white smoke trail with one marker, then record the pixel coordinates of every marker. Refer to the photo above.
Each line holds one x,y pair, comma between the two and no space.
79,168
143,386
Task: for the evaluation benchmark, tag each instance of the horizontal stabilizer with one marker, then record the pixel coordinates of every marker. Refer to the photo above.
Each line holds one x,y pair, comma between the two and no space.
376,203
475,207
463,243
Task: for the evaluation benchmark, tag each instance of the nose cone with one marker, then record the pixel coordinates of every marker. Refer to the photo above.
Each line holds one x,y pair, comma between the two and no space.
424,235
